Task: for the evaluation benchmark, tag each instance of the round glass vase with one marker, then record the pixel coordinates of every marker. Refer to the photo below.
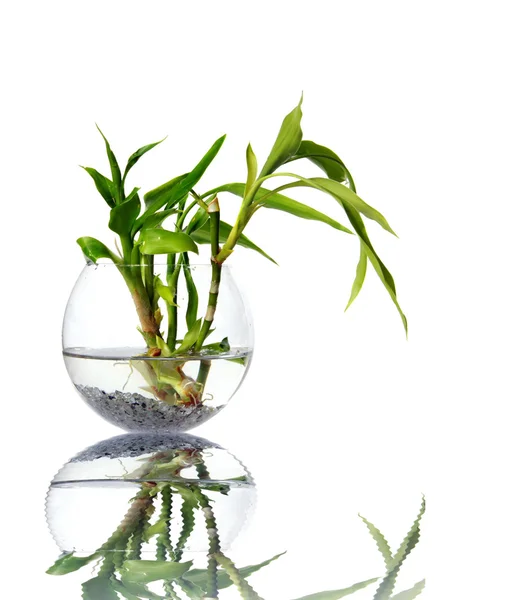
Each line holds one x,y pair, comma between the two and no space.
147,347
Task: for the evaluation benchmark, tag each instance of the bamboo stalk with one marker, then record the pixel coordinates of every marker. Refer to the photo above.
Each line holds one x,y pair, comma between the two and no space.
216,272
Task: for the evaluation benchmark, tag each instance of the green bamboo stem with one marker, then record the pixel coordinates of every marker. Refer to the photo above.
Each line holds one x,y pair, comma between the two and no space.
172,279
216,272
147,275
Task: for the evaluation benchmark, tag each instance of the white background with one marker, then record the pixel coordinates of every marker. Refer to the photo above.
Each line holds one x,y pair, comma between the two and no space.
339,413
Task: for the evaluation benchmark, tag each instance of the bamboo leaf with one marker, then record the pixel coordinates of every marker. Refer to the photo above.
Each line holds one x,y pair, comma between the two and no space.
161,241
327,160
380,541
146,571
193,295
190,338
163,291
336,594
155,199
114,168
103,185
123,216
70,563
387,585
137,155
222,346
202,236
197,221
156,219
357,223
277,201
412,593
287,143
99,588
346,195
252,168
361,270
174,190
94,250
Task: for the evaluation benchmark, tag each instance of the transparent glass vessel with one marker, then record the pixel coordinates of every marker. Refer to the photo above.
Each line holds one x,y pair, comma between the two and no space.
148,490
132,356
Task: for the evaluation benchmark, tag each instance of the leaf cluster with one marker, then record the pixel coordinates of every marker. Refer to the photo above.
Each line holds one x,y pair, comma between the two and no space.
140,222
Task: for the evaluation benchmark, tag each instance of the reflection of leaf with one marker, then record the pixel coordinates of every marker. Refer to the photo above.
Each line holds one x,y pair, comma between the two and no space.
199,576
337,594
385,589
146,571
381,542
131,590
69,563
412,593
99,588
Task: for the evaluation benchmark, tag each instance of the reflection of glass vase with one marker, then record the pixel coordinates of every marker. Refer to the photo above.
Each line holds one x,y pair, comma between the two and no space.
152,516
133,358
162,478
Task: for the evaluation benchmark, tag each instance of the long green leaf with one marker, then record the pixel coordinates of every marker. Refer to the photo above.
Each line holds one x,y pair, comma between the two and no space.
287,142
412,593
386,587
123,216
103,185
277,201
190,338
155,199
336,594
99,588
171,192
346,195
156,219
146,571
114,168
327,160
357,223
163,291
197,221
94,250
381,542
70,563
137,155
361,271
161,241
202,236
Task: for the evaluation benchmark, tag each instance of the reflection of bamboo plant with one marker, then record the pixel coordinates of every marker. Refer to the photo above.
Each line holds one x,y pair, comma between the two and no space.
139,225
123,573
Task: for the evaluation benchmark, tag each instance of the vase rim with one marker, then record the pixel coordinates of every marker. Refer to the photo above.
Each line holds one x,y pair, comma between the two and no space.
161,262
